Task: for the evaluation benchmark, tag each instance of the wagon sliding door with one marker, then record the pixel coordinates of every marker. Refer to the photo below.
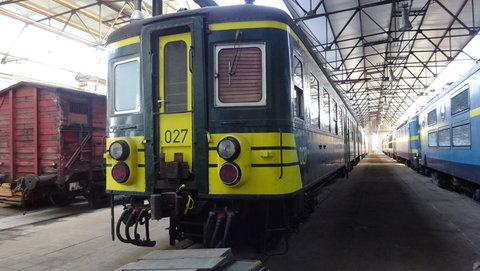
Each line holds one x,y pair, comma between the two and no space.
175,97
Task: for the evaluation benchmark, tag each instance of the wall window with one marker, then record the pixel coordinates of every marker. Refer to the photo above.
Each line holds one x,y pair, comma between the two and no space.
460,102
176,92
314,102
325,118
461,135
432,117
432,139
126,86
240,75
444,138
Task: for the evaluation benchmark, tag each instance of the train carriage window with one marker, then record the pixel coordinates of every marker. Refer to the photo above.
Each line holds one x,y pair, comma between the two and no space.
298,89
460,102
299,106
126,86
340,122
432,139
176,93
444,138
314,102
432,117
240,75
461,135
325,118
297,72
334,117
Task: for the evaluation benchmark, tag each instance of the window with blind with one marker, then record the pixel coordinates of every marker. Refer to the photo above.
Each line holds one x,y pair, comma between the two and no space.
460,102
240,75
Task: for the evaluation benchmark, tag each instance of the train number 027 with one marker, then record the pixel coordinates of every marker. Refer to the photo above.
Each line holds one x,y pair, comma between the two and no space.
175,136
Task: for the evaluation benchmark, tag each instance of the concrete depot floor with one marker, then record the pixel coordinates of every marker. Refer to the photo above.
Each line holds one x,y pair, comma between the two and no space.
386,217
74,238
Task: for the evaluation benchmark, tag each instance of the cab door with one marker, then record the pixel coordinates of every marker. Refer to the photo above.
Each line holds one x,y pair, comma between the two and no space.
175,97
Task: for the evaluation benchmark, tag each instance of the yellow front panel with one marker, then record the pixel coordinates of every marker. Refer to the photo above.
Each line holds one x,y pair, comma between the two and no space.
259,161
176,135
136,163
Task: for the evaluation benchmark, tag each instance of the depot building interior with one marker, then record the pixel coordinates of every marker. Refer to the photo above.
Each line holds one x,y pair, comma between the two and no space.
267,135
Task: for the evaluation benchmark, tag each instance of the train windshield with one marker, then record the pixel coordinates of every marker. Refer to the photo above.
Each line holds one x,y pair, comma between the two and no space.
126,86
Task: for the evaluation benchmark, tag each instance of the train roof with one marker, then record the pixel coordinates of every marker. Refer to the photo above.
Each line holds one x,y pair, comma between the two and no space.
219,14
50,87
464,77
215,14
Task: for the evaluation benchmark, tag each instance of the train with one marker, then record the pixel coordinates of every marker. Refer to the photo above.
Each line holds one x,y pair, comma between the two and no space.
443,138
51,144
221,120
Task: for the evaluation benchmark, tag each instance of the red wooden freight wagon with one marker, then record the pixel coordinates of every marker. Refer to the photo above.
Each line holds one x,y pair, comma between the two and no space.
51,144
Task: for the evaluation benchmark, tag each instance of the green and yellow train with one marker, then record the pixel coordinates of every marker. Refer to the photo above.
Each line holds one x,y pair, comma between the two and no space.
221,119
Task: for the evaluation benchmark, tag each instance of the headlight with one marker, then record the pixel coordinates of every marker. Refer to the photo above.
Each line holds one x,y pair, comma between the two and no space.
120,172
228,148
230,173
119,150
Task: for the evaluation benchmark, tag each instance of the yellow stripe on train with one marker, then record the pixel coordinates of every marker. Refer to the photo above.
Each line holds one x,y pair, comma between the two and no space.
260,163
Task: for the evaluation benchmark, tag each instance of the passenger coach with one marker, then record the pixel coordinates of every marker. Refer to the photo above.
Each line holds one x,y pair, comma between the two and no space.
221,114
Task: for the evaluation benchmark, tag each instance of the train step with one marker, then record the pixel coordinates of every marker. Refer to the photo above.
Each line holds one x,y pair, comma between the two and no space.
193,259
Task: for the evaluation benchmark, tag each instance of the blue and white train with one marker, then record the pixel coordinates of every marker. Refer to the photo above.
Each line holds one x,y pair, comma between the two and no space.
443,139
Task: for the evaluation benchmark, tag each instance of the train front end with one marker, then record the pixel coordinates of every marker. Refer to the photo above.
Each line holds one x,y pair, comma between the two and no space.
201,124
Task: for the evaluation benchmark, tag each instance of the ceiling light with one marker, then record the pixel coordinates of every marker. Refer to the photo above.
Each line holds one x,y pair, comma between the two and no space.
404,20
391,76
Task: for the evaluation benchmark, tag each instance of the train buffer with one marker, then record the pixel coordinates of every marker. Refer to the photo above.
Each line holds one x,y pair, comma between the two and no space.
220,259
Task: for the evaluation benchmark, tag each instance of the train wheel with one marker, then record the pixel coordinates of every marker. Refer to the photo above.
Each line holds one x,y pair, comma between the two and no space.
438,179
476,194
60,199
456,184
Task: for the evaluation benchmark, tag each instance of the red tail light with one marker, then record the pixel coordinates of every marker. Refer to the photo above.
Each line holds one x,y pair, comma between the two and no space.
230,173
120,172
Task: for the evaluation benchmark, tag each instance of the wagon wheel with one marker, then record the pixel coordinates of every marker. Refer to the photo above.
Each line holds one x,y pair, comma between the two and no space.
60,199
97,197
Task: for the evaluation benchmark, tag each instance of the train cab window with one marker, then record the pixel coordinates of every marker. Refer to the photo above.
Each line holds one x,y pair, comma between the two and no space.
432,139
325,118
444,138
314,102
460,102
334,117
432,117
461,135
126,86
176,93
240,75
